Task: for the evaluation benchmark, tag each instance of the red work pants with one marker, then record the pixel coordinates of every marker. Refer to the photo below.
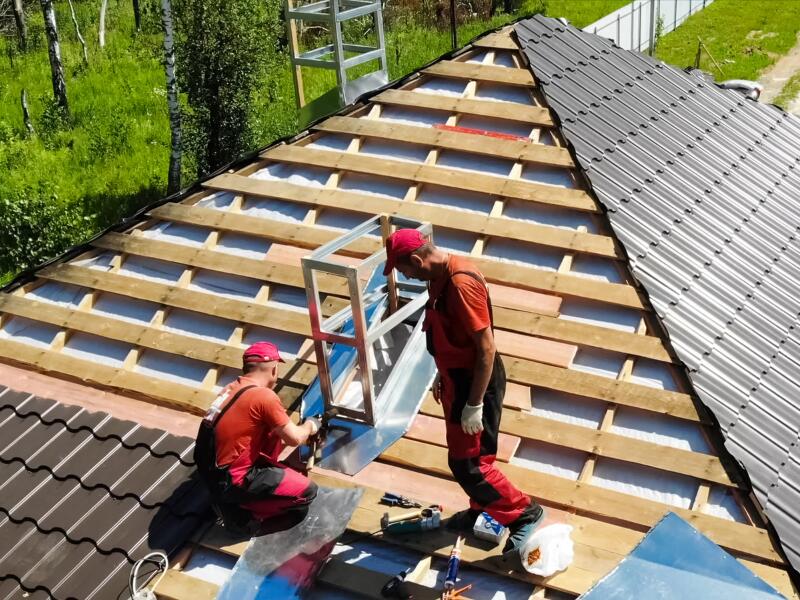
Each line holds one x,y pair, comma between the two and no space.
472,457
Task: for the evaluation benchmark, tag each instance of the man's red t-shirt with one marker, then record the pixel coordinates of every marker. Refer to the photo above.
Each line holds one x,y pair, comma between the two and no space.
246,430
466,302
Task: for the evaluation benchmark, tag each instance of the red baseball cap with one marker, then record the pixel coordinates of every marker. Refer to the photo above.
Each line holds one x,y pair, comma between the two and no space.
401,243
262,352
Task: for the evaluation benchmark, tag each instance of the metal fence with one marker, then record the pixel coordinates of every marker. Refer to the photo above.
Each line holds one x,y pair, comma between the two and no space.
635,25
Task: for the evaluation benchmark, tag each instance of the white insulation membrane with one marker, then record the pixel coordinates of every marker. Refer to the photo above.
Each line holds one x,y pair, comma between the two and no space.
550,459
30,332
645,482
62,294
177,233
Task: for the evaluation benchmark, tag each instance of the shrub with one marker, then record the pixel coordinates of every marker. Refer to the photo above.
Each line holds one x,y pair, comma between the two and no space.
36,227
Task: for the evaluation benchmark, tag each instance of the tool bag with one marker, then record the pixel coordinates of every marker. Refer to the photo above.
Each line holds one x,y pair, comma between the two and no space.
217,479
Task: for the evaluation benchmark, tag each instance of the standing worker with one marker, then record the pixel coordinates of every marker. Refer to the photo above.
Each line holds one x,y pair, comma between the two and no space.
470,383
240,440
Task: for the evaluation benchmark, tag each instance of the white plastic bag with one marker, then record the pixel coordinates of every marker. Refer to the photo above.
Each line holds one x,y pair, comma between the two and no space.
555,550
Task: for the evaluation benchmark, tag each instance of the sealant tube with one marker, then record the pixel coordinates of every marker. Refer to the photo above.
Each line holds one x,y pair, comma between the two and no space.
453,564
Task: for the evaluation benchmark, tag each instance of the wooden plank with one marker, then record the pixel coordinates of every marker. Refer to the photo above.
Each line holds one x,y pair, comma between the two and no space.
562,239
595,541
502,40
590,499
170,295
601,388
509,297
176,395
426,428
510,111
177,585
459,179
366,518
500,227
532,348
481,72
516,150
705,467
196,348
584,334
222,262
495,271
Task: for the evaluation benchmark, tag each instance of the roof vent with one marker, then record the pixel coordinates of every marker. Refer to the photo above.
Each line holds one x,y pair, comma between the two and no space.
750,89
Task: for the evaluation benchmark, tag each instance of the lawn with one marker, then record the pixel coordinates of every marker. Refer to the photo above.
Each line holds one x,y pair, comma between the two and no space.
113,158
743,36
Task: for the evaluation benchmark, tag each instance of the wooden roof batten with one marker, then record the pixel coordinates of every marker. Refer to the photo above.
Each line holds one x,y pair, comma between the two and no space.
608,523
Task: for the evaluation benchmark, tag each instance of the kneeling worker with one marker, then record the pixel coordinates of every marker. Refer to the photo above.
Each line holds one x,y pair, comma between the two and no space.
240,440
471,381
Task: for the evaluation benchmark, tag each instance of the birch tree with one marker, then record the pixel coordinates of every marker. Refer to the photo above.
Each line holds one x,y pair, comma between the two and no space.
101,32
78,33
22,28
54,52
174,176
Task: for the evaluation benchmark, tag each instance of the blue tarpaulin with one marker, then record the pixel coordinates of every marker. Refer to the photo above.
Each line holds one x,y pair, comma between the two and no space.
675,560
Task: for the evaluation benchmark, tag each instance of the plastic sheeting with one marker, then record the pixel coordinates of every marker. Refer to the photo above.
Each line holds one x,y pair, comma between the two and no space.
284,564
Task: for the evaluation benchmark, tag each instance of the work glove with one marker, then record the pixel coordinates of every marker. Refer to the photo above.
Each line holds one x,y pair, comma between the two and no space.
315,425
472,418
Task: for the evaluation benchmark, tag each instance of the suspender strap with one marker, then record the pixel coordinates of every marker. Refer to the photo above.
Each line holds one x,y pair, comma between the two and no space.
231,403
477,277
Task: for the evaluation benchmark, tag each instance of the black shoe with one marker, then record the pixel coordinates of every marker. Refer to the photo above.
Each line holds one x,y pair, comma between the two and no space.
523,528
463,520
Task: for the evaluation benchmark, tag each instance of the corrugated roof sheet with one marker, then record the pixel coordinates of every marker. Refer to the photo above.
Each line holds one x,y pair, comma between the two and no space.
701,186
84,495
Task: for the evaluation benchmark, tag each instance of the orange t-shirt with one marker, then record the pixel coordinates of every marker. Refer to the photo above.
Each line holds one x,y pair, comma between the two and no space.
466,302
245,431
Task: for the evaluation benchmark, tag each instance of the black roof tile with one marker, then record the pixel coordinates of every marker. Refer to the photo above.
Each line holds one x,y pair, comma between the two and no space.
84,495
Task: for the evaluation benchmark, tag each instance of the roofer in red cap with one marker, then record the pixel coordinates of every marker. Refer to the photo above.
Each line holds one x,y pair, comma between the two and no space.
470,383
240,440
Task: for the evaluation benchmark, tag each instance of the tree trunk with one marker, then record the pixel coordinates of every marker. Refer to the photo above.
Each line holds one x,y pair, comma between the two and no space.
174,176
78,33
137,15
101,34
26,115
22,28
54,51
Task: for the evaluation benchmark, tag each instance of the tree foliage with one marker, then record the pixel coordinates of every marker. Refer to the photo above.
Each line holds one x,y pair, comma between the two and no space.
36,227
224,47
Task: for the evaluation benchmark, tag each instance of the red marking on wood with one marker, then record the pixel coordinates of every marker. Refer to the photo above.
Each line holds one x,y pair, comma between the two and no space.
493,134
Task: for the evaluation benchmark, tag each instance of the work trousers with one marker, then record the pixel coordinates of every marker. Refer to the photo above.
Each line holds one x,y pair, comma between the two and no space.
472,457
270,488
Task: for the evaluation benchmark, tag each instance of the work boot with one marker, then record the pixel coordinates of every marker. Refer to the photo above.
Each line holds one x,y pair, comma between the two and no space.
463,520
523,527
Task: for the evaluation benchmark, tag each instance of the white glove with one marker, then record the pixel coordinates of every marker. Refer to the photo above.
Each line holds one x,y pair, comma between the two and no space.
472,419
315,423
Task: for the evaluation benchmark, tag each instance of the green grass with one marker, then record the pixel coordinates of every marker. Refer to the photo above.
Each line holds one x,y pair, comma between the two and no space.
744,36
114,157
789,92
